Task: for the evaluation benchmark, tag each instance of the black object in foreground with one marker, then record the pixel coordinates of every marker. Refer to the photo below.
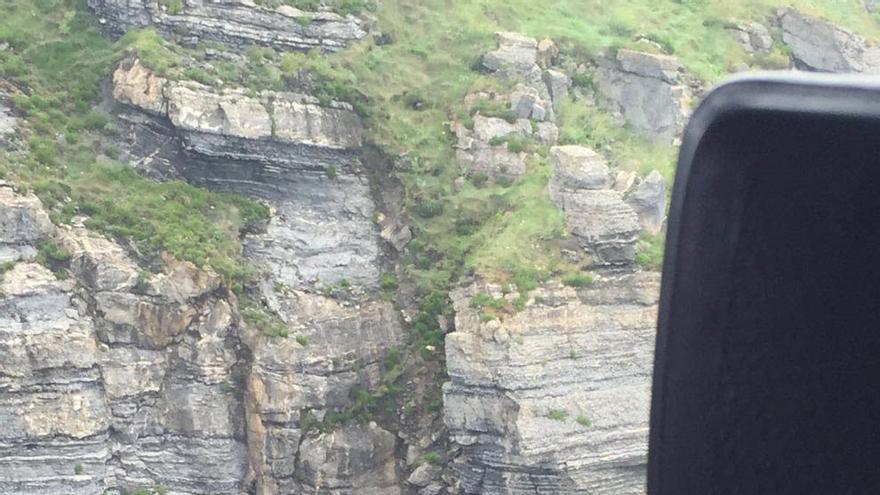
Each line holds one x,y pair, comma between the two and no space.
767,374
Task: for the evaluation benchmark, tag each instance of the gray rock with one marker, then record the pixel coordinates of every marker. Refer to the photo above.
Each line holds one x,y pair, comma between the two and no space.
101,265
355,459
578,167
235,23
424,475
545,401
516,55
526,102
647,91
819,45
595,215
8,121
345,347
547,133
754,37
649,202
22,224
557,85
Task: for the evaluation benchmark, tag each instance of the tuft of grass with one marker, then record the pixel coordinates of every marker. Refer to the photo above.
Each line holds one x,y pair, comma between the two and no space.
557,414
578,280
650,252
583,421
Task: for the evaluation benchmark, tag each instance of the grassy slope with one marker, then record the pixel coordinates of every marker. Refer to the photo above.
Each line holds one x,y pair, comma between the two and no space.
435,44
58,59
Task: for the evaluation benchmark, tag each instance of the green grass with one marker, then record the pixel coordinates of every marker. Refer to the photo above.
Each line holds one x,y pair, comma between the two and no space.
557,414
584,421
578,280
71,161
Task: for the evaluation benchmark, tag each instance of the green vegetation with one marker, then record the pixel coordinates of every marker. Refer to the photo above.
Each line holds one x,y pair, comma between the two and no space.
302,340
71,162
578,280
650,252
584,421
78,469
257,316
431,458
172,6
557,414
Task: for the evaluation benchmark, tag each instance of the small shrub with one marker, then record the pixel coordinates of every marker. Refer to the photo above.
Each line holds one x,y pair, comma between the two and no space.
429,209
557,414
584,421
302,340
517,144
78,469
172,7
431,458
483,300
479,179
578,280
389,282
331,172
497,140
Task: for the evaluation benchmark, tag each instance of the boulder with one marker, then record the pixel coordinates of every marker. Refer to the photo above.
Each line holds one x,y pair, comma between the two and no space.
558,84
647,90
819,45
577,167
100,264
526,103
424,475
649,201
516,55
754,37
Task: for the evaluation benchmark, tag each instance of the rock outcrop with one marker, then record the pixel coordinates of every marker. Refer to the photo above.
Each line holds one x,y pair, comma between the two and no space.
319,262
23,223
555,398
115,379
819,45
649,91
596,215
754,37
648,199
238,23
333,350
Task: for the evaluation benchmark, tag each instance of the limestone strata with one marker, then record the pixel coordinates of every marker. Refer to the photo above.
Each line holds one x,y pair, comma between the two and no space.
196,109
22,224
238,23
555,398
595,214
819,45
647,90
53,411
332,349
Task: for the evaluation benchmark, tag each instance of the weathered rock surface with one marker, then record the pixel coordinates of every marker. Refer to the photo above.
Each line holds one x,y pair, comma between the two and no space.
754,37
22,224
111,380
648,199
555,398
647,90
516,55
596,215
819,45
333,349
238,23
53,411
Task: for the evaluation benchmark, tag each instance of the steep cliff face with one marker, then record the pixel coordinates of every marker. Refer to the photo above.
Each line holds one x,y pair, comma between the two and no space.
554,399
234,22
319,262
115,379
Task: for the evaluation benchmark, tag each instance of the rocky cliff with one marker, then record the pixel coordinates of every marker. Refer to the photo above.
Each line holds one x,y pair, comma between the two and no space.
237,23
319,371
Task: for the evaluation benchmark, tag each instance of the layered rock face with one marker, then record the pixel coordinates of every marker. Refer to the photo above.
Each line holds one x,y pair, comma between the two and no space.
319,263
819,45
595,213
649,91
113,379
555,398
237,23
